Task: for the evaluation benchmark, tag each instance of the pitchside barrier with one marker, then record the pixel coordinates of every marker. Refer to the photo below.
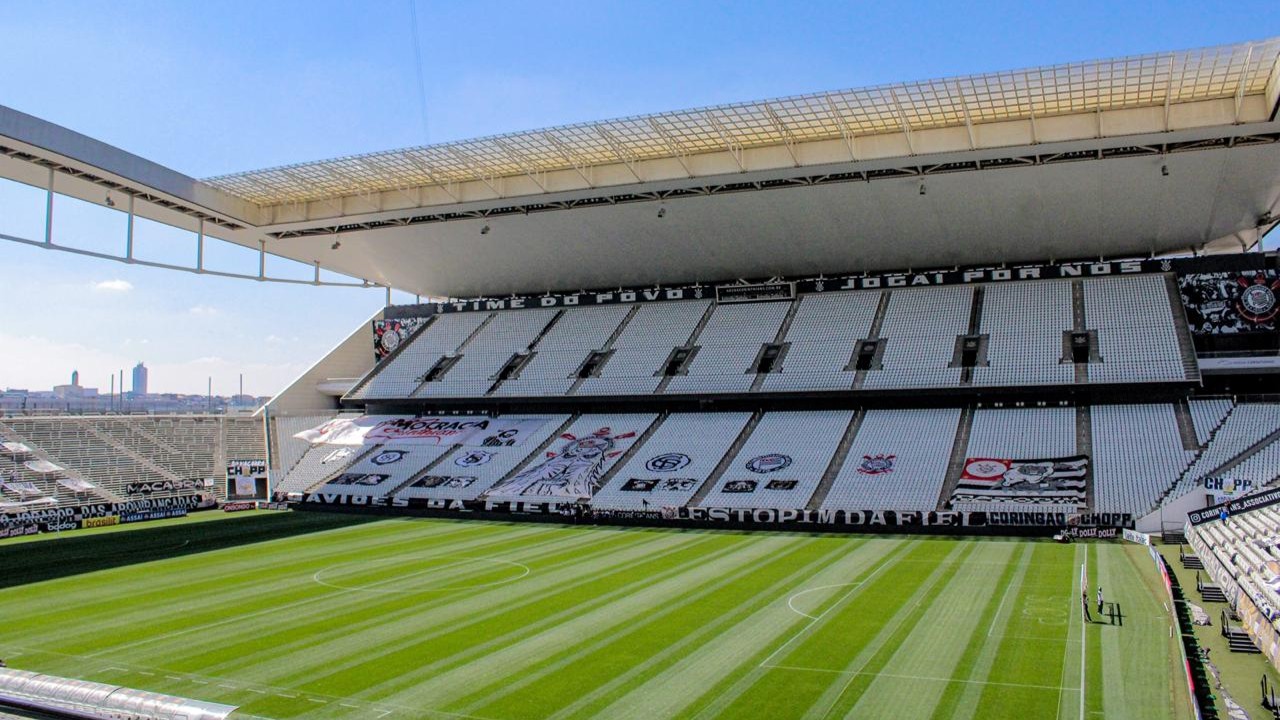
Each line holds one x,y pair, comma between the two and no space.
93,515
1024,522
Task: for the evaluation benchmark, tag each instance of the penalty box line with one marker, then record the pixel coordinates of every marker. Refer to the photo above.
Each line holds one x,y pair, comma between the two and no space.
927,678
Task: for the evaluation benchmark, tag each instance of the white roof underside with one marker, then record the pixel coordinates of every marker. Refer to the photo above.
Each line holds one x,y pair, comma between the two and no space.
1155,80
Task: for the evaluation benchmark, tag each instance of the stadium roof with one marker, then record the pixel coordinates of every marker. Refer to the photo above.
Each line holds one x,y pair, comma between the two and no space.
1157,79
1165,153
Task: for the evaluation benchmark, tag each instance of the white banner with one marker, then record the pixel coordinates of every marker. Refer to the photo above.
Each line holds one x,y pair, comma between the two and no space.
375,429
76,484
43,467
571,470
21,488
15,448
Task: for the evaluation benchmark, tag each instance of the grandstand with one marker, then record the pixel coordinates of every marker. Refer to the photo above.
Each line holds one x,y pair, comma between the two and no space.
1032,302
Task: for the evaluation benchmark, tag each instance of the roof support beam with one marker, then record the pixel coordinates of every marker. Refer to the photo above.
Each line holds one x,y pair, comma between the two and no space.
538,177
619,150
846,132
582,168
902,121
731,144
787,138
677,150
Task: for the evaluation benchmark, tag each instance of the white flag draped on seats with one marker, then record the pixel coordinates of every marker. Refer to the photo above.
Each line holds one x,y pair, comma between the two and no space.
44,467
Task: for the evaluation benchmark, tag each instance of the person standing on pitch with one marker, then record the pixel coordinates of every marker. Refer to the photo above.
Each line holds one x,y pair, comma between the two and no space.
1100,602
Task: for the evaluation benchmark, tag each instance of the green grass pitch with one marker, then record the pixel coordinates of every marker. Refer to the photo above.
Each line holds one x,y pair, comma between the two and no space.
311,615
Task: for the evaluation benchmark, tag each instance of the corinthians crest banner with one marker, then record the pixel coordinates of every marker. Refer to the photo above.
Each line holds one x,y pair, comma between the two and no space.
376,429
1043,480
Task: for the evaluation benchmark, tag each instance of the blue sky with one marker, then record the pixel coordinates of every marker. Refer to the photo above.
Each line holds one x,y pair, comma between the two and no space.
211,88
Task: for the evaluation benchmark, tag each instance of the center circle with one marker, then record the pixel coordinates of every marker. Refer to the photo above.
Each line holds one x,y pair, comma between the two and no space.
418,574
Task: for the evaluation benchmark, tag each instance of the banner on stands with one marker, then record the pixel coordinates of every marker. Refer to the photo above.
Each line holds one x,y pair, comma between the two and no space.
382,429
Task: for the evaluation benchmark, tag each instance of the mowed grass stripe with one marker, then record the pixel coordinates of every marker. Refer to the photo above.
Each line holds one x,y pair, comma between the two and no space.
934,641
577,621
1041,610
174,626
179,608
422,618
960,700
575,677
862,669
691,681
781,693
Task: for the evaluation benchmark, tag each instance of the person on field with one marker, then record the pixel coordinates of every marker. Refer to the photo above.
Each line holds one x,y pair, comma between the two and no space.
1100,602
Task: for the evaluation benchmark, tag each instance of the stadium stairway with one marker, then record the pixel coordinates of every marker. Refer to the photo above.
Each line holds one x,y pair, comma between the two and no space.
1182,328
1238,640
424,470
536,452
873,333
1164,497
959,449
1209,592
1084,446
459,351
354,458
1078,324
533,350
837,461
723,465
778,339
690,343
975,327
1186,425
631,451
606,348
1244,455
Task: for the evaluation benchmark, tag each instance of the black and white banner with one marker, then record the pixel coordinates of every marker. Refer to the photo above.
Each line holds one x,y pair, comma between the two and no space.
408,430
1229,303
571,470
1041,480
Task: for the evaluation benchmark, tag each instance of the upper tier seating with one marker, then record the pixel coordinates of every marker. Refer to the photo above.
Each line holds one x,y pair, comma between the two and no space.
487,352
782,462
728,347
401,375
1136,335
633,348
1137,456
635,366
920,327
674,462
561,352
898,461
1024,323
822,340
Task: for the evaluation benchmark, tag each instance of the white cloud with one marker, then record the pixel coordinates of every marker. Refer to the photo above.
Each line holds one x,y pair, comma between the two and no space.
113,286
205,311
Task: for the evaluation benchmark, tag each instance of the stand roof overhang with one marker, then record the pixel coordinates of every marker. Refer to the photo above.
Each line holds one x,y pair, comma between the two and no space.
1153,154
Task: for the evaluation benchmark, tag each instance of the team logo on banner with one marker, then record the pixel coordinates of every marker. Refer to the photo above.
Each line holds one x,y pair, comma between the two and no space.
452,482
505,438
781,484
573,471
1257,300
473,458
389,457
740,486
772,462
361,479
668,462
336,455
876,464
640,485
1046,480
678,484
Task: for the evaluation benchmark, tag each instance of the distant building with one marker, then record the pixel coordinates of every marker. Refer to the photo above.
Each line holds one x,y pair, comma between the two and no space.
139,380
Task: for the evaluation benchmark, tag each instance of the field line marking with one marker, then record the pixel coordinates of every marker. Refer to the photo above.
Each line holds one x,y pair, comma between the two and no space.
815,589
918,677
999,608
823,614
1084,651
